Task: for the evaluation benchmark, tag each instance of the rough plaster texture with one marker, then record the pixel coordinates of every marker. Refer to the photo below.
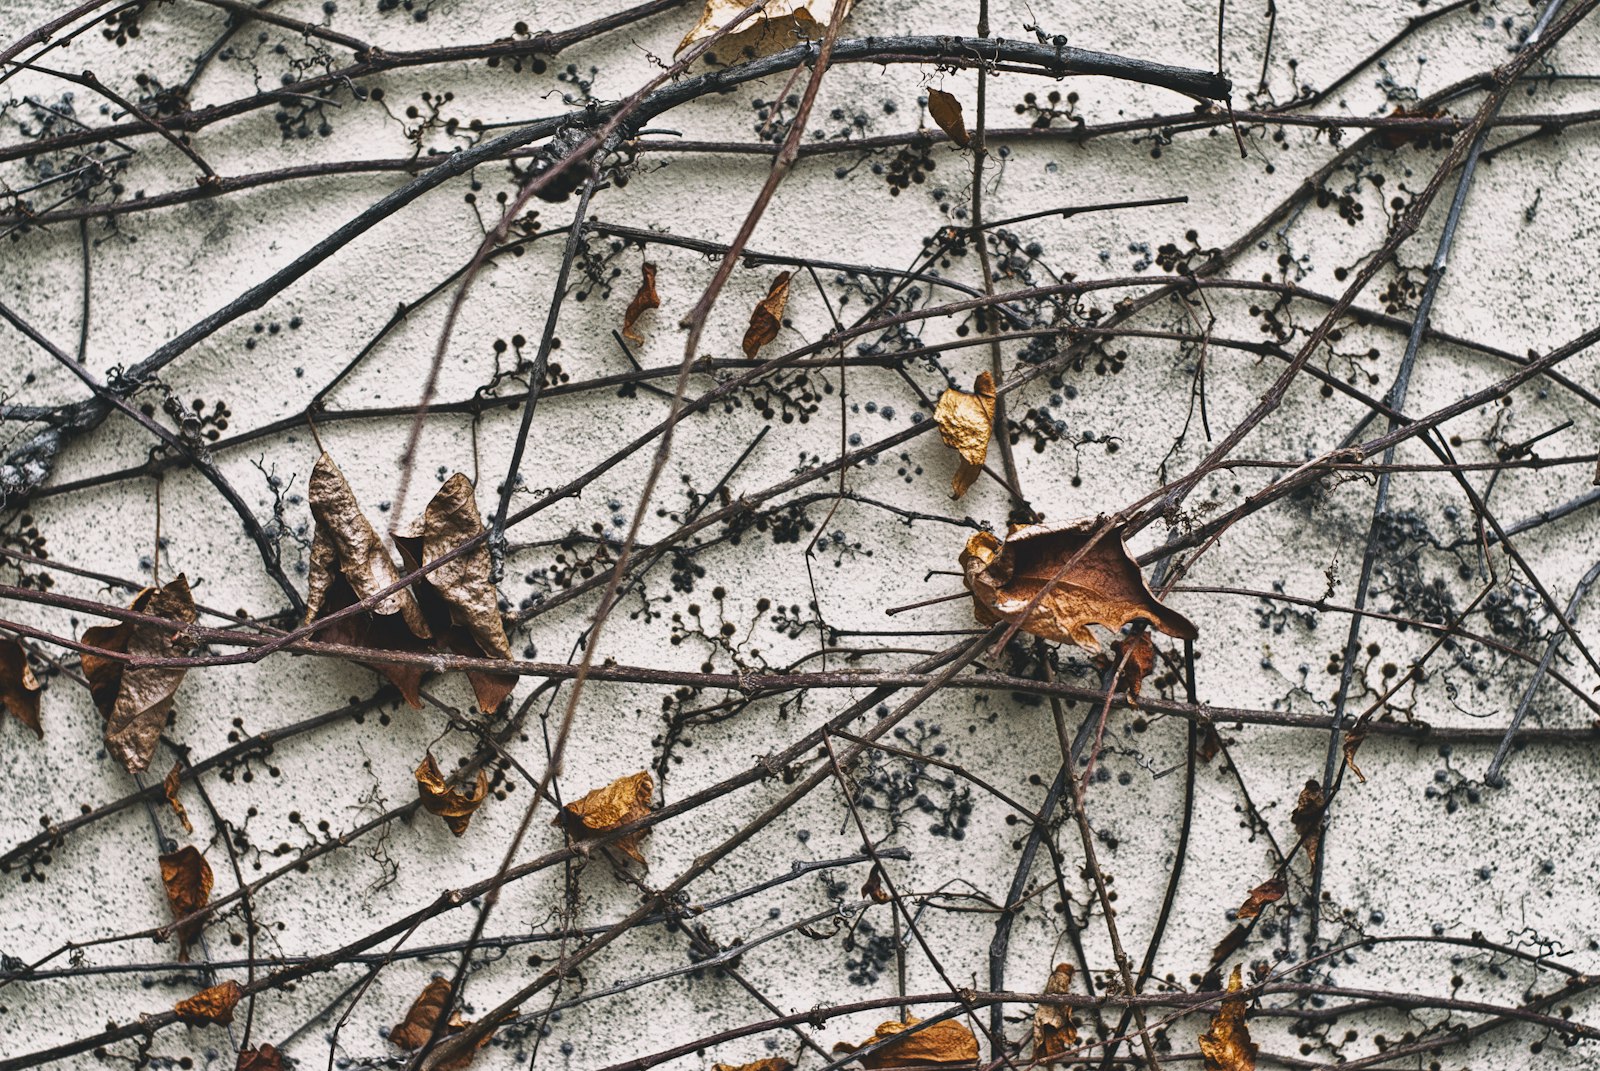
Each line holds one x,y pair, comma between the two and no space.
1408,852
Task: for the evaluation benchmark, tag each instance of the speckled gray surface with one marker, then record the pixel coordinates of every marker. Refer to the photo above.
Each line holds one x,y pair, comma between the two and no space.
1423,847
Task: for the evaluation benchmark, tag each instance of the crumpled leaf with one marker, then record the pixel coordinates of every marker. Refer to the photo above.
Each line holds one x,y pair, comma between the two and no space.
771,1063
19,688
214,1005
187,878
1231,942
946,1042
767,317
873,888
1399,137
965,424
1267,892
1227,1045
169,787
136,702
1053,1032
349,563
644,299
414,1032
781,24
624,800
458,599
1141,660
1104,588
1307,818
351,550
419,1022
1352,744
451,804
266,1058
946,111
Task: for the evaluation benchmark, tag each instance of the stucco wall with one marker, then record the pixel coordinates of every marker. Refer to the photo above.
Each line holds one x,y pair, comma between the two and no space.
1423,847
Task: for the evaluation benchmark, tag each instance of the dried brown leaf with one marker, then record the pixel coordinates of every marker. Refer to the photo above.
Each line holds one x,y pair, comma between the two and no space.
458,599
624,800
644,299
1104,587
425,1011
946,111
1269,891
382,634
214,1005
419,1023
945,1042
1210,743
1307,818
169,787
187,878
352,550
771,1063
767,317
19,688
1231,942
1352,744
349,563
451,804
779,25
1227,1045
1053,1031
1141,660
266,1058
136,701
105,674
965,424
1399,137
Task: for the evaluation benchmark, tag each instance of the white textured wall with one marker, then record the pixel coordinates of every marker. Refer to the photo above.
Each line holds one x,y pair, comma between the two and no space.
1408,853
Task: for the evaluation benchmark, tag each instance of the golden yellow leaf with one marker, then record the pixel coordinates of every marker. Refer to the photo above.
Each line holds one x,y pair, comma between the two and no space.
349,563
1053,1032
965,423
214,1005
451,804
458,599
1267,892
187,878
1227,1045
779,25
644,299
19,688
771,1063
1104,587
1307,818
136,702
767,317
945,1042
624,800
169,786
946,111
